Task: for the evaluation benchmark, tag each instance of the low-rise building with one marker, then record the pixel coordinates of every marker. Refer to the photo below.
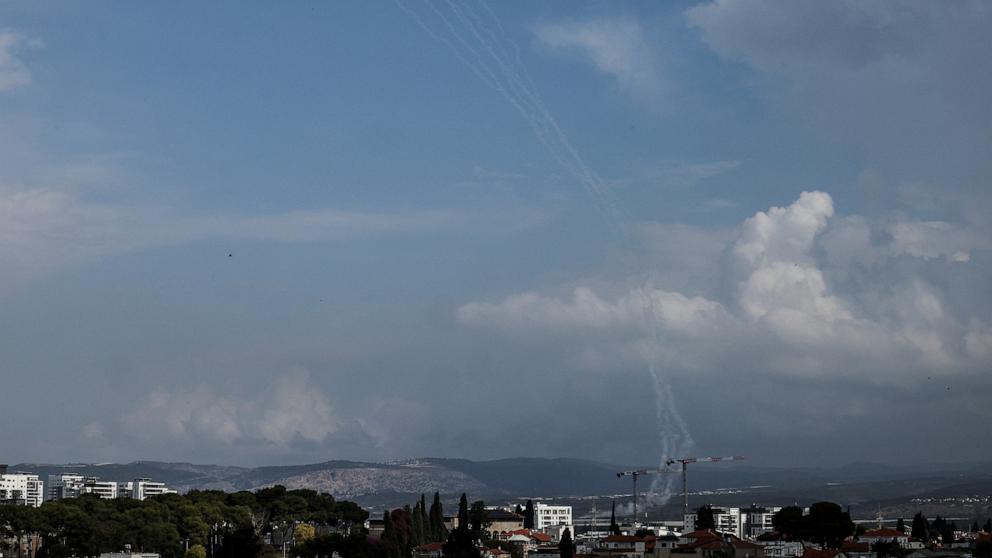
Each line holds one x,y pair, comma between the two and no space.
547,516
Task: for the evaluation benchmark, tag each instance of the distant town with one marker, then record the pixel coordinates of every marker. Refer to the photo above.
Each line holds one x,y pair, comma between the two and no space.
70,515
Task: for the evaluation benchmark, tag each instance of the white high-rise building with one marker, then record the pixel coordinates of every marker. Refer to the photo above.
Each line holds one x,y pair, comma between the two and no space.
22,488
104,489
548,516
139,489
64,485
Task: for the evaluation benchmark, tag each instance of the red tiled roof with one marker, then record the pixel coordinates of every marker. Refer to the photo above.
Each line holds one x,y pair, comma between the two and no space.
814,553
542,537
430,546
737,543
851,546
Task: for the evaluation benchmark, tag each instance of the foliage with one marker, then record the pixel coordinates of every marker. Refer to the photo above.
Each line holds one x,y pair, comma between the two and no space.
229,524
566,548
705,519
529,515
826,524
921,528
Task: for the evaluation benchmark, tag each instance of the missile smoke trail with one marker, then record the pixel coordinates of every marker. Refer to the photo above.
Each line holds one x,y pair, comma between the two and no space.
479,41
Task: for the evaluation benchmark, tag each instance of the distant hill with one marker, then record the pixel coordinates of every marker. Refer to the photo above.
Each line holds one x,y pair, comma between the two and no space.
860,484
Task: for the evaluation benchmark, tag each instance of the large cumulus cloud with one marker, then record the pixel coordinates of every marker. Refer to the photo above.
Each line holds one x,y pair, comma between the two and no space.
783,315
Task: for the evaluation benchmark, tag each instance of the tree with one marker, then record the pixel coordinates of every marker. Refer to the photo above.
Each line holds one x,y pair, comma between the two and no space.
983,549
438,531
518,510
304,532
529,515
901,525
829,524
988,526
705,519
478,519
614,528
789,522
196,551
463,511
920,529
566,548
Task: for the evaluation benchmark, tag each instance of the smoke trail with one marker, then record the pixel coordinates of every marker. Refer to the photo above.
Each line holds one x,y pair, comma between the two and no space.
479,41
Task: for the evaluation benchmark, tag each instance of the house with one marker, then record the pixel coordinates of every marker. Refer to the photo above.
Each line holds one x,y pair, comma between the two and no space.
429,550
621,546
501,520
711,544
884,536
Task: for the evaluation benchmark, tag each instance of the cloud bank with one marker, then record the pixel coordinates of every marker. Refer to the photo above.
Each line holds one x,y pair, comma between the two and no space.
781,314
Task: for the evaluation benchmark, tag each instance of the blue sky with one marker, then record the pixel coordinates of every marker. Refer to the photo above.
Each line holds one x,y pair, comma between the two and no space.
248,233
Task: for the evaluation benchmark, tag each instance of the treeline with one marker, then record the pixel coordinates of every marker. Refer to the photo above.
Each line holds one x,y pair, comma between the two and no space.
208,523
941,529
406,528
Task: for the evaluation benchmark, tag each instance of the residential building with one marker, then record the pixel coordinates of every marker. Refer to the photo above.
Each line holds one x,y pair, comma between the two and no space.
22,489
884,535
727,520
107,490
757,520
545,515
64,485
711,544
139,489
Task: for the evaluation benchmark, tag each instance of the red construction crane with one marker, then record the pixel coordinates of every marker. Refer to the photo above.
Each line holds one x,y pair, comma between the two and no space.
637,473
685,477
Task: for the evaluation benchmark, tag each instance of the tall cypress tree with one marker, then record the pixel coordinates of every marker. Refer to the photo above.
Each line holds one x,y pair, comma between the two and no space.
566,548
417,536
920,529
463,512
529,515
901,525
438,532
614,528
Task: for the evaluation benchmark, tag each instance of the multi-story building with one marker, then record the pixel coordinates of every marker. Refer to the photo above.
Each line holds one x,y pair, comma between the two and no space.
548,516
21,489
64,485
757,520
104,489
139,489
727,520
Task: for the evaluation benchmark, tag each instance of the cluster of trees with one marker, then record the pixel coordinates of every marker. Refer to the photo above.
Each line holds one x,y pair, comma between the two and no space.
195,525
941,529
826,524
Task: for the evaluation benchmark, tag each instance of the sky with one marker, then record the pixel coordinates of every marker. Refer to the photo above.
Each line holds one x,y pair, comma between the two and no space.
251,233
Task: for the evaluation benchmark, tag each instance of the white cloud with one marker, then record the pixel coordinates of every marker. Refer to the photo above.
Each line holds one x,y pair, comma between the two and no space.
14,73
294,410
616,47
783,316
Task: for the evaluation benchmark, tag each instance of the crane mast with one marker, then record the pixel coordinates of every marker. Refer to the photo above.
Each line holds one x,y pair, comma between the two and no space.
685,461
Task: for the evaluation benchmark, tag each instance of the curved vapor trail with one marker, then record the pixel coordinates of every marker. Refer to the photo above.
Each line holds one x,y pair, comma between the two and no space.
479,41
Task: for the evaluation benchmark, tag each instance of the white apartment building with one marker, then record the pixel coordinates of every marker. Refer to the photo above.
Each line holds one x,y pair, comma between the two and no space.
758,520
22,488
104,489
64,485
71,485
548,516
139,489
727,520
